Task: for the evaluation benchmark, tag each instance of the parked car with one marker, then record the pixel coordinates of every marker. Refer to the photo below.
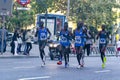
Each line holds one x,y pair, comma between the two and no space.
9,38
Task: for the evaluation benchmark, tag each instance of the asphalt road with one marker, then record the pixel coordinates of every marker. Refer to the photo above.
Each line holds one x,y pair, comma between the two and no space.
30,69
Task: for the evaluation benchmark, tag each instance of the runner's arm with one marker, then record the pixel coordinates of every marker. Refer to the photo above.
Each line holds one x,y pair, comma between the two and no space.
49,33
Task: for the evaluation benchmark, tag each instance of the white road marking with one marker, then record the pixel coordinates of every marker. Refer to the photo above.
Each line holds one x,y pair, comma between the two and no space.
102,71
23,67
24,62
34,78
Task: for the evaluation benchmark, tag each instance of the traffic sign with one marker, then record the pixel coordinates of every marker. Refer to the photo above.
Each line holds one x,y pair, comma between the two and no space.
23,2
22,8
6,7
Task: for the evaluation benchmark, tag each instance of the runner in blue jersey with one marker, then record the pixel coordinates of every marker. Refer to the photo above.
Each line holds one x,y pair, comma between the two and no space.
79,37
65,37
103,40
42,34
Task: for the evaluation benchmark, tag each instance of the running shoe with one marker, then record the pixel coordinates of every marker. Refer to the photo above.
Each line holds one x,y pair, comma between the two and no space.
43,64
16,54
78,66
82,65
66,65
105,59
103,65
59,63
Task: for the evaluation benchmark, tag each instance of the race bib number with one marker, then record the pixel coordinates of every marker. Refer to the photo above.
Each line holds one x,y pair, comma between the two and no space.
63,39
43,36
78,39
102,40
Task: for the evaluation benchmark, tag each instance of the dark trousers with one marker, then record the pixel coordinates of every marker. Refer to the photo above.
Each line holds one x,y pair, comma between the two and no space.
87,46
29,47
65,52
19,47
4,45
12,44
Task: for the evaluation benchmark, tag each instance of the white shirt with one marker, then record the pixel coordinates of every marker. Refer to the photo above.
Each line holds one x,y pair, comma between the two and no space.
89,41
28,37
118,44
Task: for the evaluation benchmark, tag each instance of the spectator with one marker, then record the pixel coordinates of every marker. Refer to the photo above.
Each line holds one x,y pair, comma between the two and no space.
3,32
118,47
19,42
28,38
88,40
15,42
24,41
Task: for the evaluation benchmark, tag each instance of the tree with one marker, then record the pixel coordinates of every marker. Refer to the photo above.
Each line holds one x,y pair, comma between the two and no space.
92,12
24,18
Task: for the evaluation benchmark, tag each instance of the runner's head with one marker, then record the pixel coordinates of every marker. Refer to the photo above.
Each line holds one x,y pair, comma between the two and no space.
80,25
103,27
65,25
41,24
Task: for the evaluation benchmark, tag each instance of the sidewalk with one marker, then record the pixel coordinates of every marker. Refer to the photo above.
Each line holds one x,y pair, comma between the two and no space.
34,53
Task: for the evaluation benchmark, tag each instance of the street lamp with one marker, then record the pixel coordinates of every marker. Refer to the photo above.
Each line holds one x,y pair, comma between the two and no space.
16,14
68,8
46,12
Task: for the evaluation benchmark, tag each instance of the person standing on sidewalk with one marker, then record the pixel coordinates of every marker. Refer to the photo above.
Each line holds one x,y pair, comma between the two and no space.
14,40
42,33
118,48
88,40
103,40
5,32
24,41
28,38
20,42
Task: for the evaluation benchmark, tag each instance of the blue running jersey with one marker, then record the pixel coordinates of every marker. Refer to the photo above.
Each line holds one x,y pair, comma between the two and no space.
64,41
79,40
103,37
42,34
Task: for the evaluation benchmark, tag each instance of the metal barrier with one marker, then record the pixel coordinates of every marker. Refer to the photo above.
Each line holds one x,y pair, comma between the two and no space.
94,50
110,50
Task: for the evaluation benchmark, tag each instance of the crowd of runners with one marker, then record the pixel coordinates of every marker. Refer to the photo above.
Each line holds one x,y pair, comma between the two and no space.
82,38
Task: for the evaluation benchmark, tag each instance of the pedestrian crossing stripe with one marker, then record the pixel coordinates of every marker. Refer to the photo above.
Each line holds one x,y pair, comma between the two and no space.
102,71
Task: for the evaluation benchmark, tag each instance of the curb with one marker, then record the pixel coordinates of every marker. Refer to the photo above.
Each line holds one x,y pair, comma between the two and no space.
17,57
24,56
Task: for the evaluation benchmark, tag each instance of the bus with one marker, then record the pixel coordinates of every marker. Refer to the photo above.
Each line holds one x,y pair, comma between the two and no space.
54,22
